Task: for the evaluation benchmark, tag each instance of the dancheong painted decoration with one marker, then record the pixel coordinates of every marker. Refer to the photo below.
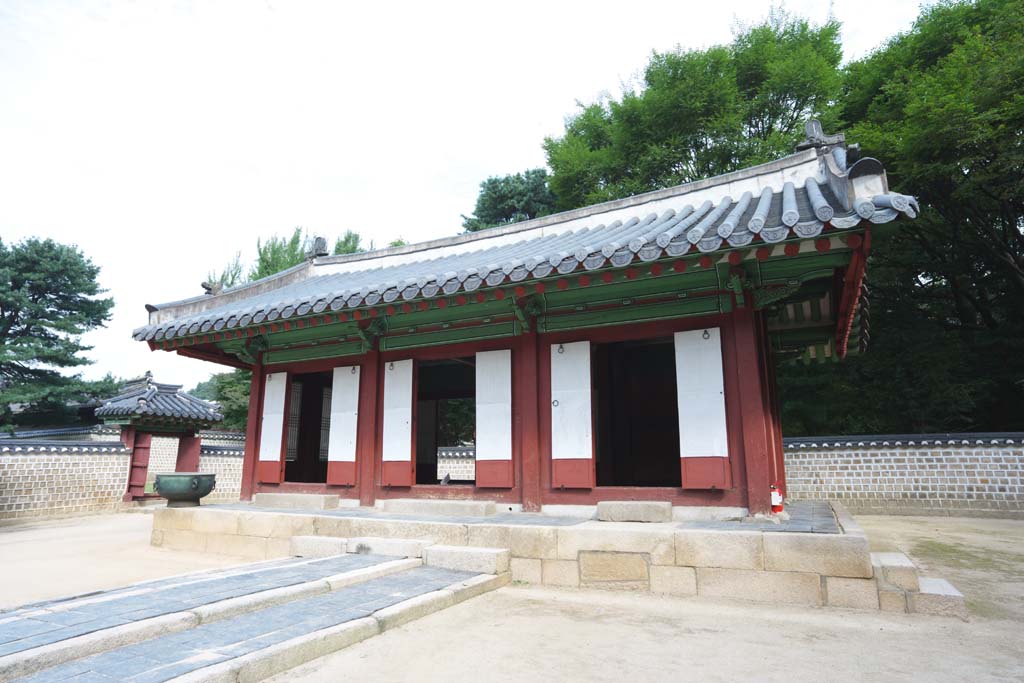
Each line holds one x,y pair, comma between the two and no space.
619,351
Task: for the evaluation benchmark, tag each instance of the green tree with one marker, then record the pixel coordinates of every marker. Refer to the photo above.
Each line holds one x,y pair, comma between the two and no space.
942,106
49,297
231,275
700,113
349,243
231,391
510,199
280,253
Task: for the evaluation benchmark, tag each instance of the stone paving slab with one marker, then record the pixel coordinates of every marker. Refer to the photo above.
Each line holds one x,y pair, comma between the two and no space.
512,518
164,658
805,516
45,623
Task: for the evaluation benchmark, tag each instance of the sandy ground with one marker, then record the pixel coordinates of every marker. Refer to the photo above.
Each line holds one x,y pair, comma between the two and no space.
52,559
983,558
522,634
519,633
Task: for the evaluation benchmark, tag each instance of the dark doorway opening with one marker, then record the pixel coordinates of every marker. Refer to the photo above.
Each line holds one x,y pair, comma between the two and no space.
446,421
637,433
309,425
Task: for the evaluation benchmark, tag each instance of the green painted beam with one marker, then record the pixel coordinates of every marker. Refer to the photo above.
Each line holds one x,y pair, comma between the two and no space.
450,336
630,314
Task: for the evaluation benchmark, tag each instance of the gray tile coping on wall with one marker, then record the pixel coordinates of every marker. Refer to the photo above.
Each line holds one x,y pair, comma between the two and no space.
50,622
167,657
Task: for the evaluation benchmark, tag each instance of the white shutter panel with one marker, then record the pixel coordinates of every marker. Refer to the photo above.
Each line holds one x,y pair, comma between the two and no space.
344,415
571,418
494,405
701,392
271,429
398,411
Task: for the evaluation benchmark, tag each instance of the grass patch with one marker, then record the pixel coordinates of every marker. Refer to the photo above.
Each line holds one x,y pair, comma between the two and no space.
966,557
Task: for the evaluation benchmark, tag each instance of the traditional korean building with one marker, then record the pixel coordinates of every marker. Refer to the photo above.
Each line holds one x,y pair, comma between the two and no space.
621,351
144,409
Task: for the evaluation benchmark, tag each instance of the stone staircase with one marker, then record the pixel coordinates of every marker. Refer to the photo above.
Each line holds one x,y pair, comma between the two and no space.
900,589
242,624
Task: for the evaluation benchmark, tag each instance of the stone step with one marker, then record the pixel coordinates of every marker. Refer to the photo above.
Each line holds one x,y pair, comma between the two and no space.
296,501
468,559
393,547
937,597
257,645
634,511
317,546
97,623
423,506
895,569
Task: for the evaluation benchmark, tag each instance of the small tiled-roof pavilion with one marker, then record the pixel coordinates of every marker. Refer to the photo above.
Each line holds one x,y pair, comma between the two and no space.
145,408
618,351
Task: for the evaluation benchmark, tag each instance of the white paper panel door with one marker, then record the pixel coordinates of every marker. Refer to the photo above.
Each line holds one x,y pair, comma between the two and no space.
341,442
398,411
494,405
271,429
571,419
701,391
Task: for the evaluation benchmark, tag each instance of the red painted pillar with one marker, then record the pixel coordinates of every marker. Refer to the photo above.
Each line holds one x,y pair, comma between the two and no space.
528,409
366,431
757,453
775,411
139,466
188,453
252,432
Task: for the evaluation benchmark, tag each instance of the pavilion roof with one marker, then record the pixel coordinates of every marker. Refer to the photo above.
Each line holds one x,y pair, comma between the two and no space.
796,197
145,400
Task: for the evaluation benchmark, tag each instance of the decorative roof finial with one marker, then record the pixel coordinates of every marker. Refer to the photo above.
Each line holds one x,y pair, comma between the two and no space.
816,136
318,248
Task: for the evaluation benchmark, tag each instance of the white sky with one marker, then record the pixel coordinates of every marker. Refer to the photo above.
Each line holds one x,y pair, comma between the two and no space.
162,137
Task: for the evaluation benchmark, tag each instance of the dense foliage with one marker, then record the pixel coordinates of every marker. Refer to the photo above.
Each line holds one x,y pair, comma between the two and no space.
700,113
231,391
943,107
510,199
49,297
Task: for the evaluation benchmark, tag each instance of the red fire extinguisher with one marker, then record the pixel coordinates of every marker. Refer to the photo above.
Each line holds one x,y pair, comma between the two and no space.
776,498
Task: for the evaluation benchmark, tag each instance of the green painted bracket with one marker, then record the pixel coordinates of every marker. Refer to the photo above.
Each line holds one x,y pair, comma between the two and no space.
374,329
527,310
764,296
250,352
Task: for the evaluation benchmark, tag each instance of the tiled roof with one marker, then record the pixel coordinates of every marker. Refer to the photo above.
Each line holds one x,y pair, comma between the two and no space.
146,398
794,197
799,443
60,447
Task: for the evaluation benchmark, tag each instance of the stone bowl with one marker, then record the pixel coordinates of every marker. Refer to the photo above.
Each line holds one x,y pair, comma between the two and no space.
184,489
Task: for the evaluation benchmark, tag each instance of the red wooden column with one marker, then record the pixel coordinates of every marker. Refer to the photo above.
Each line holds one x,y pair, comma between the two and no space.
774,412
366,432
754,411
527,407
188,453
139,444
252,432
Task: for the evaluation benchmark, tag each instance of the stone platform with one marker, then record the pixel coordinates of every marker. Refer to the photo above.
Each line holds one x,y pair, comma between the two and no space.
241,624
819,557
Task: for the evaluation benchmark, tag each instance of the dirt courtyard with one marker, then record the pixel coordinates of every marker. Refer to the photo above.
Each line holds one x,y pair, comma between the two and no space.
520,633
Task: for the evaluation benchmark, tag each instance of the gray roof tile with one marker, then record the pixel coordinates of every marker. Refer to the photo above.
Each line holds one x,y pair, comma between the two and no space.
146,398
800,208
